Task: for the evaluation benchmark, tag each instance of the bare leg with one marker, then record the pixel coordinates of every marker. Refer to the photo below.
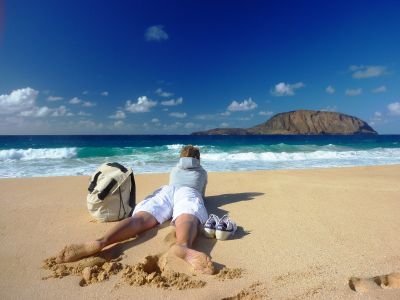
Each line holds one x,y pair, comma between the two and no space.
186,232
128,228
122,231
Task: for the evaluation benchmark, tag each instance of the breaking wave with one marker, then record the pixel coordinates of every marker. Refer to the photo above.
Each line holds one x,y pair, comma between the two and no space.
33,154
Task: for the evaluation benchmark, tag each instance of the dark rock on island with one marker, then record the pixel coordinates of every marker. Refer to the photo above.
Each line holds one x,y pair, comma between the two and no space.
307,122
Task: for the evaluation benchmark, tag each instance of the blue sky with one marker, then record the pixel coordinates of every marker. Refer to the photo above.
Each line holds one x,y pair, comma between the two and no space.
165,67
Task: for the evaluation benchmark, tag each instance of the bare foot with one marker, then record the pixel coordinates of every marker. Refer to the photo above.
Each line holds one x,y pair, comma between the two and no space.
198,260
75,252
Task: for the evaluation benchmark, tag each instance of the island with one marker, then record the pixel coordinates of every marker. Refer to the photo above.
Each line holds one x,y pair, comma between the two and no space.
301,122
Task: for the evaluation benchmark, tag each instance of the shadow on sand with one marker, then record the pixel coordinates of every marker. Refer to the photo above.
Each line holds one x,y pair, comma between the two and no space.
214,205
117,250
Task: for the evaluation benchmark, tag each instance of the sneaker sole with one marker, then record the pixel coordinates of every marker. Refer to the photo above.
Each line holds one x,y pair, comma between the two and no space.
209,233
222,235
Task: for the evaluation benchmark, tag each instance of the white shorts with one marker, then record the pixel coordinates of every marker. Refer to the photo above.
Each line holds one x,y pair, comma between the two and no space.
168,201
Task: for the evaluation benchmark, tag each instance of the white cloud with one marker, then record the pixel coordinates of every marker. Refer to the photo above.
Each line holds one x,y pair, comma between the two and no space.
155,120
367,71
36,112
85,92
118,123
380,89
225,113
180,115
172,102
156,33
205,117
143,104
394,108
40,112
224,125
265,113
173,126
353,92
286,89
105,93
329,108
162,93
119,114
54,98
377,118
88,104
84,114
247,104
75,100
18,100
329,89
190,125
90,124
22,103
61,112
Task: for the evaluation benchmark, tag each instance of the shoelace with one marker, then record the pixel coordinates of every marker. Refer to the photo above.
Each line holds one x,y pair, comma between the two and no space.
214,218
227,221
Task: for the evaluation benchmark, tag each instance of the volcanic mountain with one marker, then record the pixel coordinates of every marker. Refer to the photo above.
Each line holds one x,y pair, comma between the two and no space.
307,122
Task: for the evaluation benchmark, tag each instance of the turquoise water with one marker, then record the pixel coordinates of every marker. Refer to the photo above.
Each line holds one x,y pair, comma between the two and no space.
30,156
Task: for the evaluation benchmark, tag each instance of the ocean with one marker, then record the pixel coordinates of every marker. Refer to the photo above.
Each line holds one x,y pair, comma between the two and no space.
33,156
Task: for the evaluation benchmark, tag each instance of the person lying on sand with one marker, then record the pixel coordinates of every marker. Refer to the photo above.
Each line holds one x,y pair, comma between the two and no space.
182,200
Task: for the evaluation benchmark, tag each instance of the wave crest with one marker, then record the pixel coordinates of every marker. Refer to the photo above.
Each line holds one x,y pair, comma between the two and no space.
296,156
32,154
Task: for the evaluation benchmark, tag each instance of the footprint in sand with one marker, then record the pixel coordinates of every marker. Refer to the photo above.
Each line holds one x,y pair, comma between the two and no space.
390,281
255,291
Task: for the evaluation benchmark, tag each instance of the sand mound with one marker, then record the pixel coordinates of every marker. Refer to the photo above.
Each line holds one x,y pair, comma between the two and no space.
92,269
150,273
255,291
95,274
227,273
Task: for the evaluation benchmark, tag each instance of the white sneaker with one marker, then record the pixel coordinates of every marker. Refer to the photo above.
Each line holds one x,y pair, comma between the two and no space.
225,229
210,225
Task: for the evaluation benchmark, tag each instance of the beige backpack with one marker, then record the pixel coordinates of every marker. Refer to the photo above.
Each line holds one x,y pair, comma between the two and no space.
111,193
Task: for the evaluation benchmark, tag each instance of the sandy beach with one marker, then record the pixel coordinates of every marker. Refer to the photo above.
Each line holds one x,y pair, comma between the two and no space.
303,234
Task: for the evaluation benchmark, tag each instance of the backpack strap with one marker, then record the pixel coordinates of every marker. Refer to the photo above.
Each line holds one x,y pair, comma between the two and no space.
94,182
118,166
132,195
107,189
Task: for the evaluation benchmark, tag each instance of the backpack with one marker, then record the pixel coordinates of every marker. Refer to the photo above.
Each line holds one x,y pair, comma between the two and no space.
112,193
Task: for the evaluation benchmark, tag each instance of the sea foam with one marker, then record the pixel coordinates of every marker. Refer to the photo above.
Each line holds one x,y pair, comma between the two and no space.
295,156
33,154
84,161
